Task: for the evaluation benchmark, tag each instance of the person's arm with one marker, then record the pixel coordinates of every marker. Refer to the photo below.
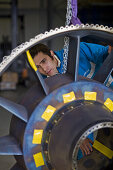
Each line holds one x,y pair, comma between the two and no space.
86,146
94,52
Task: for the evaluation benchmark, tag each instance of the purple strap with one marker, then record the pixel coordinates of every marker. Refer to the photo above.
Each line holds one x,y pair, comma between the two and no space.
74,20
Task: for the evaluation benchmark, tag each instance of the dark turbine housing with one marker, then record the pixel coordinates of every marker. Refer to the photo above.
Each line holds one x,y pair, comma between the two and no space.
58,113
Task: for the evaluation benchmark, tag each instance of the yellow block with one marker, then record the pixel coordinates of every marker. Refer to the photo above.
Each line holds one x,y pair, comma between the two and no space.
103,149
48,113
109,104
90,95
69,97
38,158
30,59
37,136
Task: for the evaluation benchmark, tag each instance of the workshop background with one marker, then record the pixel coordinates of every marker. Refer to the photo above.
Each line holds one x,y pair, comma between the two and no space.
21,20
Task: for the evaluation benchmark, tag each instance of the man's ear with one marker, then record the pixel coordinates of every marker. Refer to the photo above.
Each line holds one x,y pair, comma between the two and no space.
52,53
54,58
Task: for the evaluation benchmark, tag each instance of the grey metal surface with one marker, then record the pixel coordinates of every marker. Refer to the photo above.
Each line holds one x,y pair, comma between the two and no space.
16,109
16,167
7,161
9,146
105,69
44,85
73,123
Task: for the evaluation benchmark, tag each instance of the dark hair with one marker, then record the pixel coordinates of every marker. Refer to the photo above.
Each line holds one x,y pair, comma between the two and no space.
40,48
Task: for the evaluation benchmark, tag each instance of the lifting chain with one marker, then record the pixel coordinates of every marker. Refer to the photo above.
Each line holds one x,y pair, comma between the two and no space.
66,39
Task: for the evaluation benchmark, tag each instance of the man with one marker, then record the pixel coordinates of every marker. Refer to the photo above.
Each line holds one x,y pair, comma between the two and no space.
50,63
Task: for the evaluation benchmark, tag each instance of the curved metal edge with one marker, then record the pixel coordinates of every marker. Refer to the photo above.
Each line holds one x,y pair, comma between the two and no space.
7,60
84,135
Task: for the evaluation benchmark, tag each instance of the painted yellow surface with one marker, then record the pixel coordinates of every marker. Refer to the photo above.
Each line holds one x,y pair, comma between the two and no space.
69,97
31,62
90,95
103,149
38,158
109,104
37,136
48,113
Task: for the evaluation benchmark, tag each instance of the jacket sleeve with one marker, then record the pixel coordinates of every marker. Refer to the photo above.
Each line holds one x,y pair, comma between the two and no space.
94,52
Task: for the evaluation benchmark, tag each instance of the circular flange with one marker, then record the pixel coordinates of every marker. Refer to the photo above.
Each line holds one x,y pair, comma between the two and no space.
48,109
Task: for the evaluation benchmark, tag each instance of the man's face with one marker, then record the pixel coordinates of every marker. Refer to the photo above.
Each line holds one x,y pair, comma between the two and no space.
46,65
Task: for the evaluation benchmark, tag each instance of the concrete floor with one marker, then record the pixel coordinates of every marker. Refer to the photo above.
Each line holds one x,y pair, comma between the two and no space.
6,162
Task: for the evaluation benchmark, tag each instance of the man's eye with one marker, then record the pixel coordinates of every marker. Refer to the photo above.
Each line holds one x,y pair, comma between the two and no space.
43,61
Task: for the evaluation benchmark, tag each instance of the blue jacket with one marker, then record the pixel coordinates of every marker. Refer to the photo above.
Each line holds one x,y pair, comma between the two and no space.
90,59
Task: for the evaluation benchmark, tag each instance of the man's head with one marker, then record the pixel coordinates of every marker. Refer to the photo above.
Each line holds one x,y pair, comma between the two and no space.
44,59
